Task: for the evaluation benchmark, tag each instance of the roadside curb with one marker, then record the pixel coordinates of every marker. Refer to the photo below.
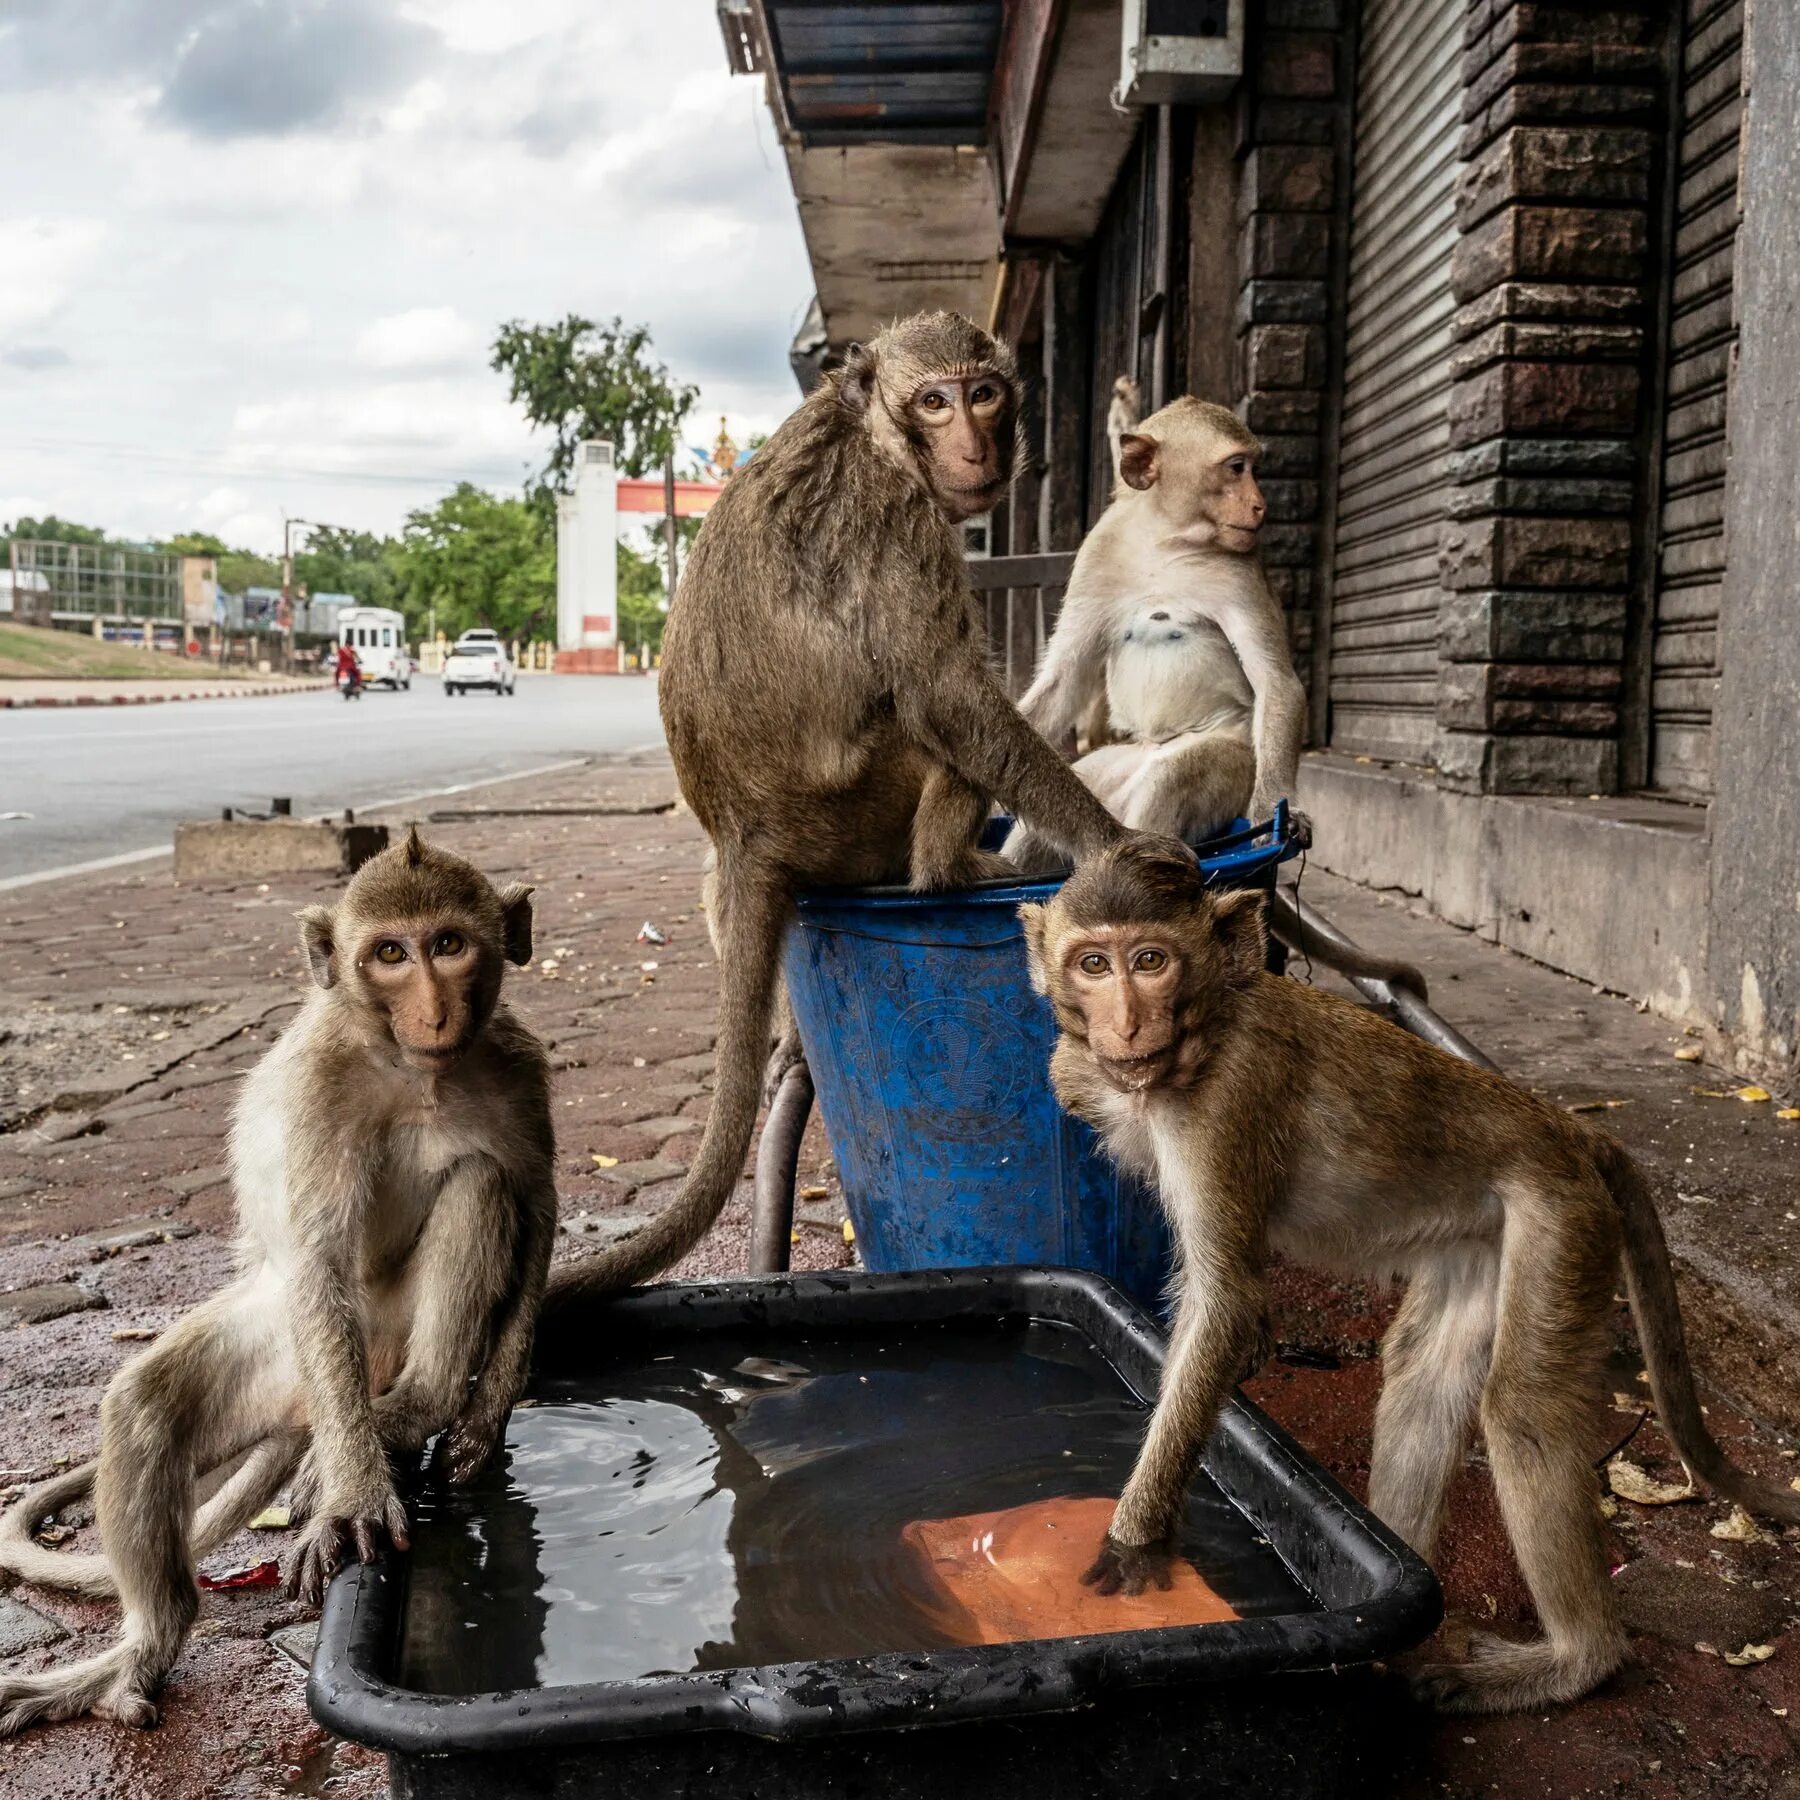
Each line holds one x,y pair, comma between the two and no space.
8,701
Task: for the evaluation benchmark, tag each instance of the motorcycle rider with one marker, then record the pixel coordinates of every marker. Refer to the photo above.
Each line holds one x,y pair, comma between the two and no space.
349,670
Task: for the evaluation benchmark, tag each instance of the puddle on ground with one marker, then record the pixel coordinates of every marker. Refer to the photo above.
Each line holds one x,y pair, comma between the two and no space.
737,1504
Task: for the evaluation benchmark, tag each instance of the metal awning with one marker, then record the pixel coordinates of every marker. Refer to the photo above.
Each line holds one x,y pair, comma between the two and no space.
884,71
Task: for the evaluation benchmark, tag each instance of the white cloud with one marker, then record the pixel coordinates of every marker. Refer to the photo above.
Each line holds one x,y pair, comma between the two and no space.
298,318
44,259
231,514
435,427
425,337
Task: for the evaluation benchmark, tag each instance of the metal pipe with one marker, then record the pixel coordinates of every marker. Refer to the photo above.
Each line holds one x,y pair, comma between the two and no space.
777,1159
1401,1003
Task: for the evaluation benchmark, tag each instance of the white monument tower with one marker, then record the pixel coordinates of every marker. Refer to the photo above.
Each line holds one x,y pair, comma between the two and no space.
587,570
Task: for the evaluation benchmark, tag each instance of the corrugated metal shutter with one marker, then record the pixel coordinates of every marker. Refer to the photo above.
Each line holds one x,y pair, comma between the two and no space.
1394,444
1684,675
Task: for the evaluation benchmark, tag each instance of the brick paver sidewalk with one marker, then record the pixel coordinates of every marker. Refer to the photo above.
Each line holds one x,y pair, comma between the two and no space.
129,1008
132,1006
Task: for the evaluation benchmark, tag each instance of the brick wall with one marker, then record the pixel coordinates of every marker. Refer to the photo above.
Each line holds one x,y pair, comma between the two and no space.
1292,127
1561,105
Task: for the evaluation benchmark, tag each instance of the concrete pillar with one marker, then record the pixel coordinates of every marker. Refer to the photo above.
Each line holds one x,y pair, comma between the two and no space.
1754,940
587,530
1536,553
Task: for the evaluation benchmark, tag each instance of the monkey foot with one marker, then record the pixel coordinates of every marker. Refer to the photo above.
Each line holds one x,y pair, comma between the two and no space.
1130,1568
464,1450
964,871
45,1699
1501,1676
329,1537
135,1710
785,1053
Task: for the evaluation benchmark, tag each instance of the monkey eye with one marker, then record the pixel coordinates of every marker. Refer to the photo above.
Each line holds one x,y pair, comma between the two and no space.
1149,961
984,394
449,943
387,951
1238,465
1094,963
933,401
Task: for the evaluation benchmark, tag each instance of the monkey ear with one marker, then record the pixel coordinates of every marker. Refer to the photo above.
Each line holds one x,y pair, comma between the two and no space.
857,384
321,949
515,931
1137,460
1238,919
1032,918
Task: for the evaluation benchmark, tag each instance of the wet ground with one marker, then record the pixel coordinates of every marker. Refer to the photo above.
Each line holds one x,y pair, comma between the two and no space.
123,1128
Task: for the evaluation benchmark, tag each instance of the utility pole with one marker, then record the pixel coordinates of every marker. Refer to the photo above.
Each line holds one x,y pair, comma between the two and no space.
287,580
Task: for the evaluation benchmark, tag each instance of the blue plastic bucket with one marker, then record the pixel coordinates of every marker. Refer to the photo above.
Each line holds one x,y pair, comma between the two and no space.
931,1055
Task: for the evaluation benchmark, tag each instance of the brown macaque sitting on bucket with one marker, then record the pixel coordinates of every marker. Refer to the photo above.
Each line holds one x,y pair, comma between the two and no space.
828,702
394,1164
1272,1117
1169,619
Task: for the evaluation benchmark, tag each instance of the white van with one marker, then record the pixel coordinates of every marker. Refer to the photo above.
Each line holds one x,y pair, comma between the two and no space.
378,636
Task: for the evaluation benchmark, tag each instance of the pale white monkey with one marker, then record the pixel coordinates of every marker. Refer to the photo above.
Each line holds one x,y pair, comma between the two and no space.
1168,613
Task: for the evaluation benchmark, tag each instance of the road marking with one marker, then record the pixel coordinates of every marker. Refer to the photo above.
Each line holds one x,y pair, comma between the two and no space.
126,857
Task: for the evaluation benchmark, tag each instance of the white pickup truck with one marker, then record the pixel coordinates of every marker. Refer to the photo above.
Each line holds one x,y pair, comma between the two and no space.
478,659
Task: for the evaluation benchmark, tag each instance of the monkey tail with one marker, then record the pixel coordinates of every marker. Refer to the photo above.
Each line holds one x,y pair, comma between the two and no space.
750,934
1650,1280
1287,923
24,1558
90,1573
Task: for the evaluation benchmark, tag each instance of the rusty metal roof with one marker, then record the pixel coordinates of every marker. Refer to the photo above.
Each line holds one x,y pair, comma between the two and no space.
885,71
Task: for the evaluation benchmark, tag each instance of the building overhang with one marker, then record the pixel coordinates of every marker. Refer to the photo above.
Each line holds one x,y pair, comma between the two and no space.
883,112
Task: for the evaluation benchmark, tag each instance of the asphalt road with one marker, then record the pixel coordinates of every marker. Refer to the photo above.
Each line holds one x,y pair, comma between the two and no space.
103,782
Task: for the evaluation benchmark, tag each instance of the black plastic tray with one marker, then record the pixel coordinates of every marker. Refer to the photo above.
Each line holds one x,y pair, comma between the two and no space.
1218,1708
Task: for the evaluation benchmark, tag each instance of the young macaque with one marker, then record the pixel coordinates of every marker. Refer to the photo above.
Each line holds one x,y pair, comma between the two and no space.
828,702
1273,1117
1169,619
394,1170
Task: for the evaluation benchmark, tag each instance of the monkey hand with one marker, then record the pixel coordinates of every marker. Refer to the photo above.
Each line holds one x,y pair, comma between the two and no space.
1300,828
342,1524
1130,1568
464,1449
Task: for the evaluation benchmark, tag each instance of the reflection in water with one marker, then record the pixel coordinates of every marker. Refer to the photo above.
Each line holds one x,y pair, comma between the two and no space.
744,1502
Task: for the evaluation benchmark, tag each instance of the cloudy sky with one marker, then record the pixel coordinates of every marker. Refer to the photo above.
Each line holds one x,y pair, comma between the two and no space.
252,251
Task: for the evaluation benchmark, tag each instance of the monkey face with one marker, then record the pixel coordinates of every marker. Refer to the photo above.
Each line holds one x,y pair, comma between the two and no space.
1200,464
1140,962
1125,981
1231,499
961,429
432,985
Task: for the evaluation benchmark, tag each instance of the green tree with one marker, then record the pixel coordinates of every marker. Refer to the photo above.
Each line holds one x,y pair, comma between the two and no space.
642,591
196,543
55,530
477,559
584,380
350,562
238,569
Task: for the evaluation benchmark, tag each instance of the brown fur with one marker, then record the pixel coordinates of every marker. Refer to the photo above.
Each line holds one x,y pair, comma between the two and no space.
1169,619
394,1168
828,703
1274,1117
